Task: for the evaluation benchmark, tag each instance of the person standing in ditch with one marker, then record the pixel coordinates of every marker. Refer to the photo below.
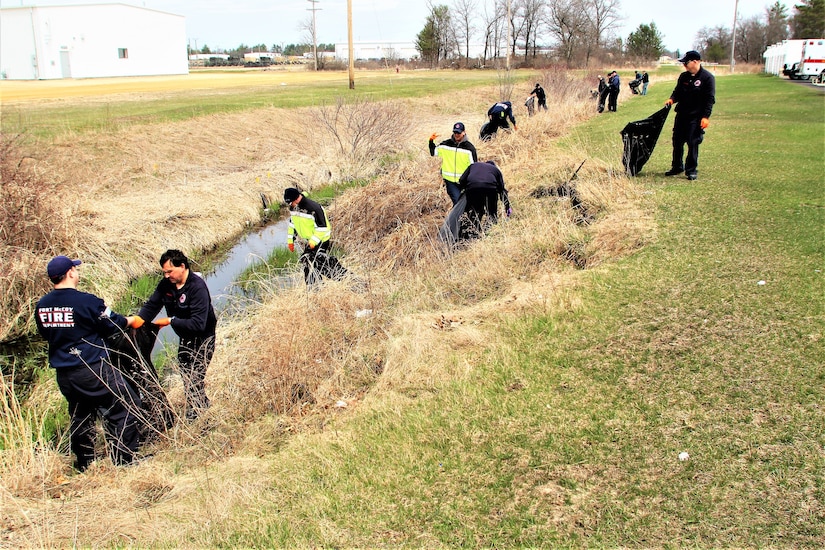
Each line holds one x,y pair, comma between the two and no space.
694,96
456,154
75,325
308,220
483,184
185,296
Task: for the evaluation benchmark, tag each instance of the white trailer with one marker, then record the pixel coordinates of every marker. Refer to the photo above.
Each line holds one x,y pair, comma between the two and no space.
780,57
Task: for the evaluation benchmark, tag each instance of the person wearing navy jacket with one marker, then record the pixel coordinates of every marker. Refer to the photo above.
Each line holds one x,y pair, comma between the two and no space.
75,324
185,296
694,96
483,184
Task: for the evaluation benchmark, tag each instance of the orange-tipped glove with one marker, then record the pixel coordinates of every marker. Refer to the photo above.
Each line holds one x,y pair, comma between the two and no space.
704,123
162,322
669,102
515,127
310,245
291,247
432,137
135,321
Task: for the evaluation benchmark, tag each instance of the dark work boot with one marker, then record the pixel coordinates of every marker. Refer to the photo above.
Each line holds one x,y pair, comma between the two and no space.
674,171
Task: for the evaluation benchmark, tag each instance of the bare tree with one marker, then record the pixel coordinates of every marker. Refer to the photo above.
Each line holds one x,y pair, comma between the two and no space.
494,20
527,20
603,19
463,19
567,24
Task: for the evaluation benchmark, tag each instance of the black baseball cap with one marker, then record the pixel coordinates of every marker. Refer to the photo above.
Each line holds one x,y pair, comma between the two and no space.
691,55
458,127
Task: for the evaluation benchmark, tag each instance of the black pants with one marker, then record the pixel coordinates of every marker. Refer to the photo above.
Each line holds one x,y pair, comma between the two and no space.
481,202
99,389
318,263
686,131
194,355
603,98
612,98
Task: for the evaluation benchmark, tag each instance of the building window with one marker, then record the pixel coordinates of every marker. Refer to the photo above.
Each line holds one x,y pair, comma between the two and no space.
122,53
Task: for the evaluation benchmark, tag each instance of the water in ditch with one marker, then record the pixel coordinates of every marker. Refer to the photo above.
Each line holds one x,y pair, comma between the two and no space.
227,296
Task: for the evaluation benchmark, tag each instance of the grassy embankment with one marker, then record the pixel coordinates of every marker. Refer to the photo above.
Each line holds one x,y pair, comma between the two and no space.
567,432
562,428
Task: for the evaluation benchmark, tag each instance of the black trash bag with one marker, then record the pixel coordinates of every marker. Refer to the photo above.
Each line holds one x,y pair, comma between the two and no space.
131,353
488,130
640,138
451,230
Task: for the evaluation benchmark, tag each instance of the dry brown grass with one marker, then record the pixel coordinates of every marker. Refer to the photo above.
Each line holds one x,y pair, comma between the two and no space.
290,362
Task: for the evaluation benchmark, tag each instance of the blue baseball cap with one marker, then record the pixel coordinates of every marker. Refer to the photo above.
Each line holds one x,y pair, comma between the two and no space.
59,265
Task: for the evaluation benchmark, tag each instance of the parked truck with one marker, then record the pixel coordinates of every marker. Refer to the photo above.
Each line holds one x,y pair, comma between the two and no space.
813,59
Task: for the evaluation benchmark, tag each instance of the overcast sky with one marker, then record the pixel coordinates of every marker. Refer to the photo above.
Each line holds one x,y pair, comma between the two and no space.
229,23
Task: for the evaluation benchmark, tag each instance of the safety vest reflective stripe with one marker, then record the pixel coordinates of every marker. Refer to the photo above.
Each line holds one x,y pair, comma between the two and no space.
454,160
303,224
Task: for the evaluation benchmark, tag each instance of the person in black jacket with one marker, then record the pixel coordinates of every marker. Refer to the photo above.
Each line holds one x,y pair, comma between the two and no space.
185,296
694,95
75,325
613,85
483,184
538,93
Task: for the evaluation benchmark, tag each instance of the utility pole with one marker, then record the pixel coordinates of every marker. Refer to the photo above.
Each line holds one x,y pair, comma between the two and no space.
509,34
351,53
733,38
313,9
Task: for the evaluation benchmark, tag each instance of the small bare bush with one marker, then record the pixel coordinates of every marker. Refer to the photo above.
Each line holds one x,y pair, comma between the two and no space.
32,228
362,132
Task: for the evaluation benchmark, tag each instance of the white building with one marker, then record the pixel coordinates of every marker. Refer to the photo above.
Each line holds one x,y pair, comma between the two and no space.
90,40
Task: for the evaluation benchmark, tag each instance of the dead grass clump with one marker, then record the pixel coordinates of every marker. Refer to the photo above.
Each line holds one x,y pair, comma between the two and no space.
312,349
32,229
393,222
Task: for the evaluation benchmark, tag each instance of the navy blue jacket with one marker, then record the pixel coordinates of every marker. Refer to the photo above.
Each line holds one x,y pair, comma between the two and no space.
190,305
75,324
694,96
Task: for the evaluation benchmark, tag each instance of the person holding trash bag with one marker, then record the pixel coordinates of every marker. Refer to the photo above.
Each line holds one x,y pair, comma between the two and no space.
456,154
75,324
483,184
694,96
539,93
185,296
308,220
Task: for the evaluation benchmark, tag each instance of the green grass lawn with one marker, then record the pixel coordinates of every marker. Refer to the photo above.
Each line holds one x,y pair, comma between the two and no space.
569,434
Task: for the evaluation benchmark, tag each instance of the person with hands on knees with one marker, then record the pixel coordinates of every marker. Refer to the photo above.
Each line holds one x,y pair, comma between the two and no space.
308,221
75,324
456,154
188,304
694,96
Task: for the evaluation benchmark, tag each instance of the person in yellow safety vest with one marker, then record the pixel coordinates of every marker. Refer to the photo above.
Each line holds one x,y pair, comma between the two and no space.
309,222
456,154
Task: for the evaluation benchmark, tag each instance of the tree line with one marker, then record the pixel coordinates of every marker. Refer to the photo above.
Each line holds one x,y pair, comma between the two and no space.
580,33
288,50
